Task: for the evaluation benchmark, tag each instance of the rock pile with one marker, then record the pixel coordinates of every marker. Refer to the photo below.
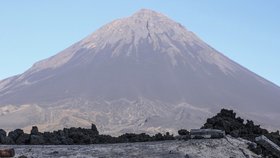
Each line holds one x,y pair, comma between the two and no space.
227,121
72,136
65,136
223,123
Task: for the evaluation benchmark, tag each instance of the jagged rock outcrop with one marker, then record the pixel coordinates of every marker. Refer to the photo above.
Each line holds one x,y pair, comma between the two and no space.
35,131
14,135
235,126
77,136
226,120
36,138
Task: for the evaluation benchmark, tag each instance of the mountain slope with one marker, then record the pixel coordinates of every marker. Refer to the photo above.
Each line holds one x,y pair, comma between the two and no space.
145,72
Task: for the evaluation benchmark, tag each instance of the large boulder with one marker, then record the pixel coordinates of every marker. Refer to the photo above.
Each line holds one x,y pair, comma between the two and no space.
36,138
35,131
14,135
268,145
2,136
94,129
183,132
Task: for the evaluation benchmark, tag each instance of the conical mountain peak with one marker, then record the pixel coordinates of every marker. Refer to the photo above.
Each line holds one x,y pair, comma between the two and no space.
150,27
147,11
142,23
145,29
145,14
145,66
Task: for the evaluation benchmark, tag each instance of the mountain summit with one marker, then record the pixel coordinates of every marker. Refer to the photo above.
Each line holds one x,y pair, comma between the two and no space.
140,73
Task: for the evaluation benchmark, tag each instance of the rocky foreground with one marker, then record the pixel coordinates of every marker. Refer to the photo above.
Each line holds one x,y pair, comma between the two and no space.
240,141
201,148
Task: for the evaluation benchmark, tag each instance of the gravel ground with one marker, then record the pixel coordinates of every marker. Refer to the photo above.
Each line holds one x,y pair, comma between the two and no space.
211,148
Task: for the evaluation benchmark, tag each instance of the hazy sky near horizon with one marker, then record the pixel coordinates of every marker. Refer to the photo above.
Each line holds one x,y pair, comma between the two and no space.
246,31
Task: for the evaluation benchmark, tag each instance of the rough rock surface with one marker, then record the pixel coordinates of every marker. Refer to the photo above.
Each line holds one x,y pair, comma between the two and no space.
77,136
227,121
210,148
269,145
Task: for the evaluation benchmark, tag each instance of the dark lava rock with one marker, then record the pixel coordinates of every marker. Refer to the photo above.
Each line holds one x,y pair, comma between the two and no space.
94,129
22,139
52,138
14,135
3,133
183,135
34,131
2,136
71,136
36,140
226,120
183,132
131,137
7,140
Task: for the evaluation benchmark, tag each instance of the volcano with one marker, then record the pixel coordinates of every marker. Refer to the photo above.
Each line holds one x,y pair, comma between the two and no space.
143,73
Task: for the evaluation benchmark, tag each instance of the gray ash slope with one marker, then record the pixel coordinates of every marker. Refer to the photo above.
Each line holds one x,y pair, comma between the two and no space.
140,73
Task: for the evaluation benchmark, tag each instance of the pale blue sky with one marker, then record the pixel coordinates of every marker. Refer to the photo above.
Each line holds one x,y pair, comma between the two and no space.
246,31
